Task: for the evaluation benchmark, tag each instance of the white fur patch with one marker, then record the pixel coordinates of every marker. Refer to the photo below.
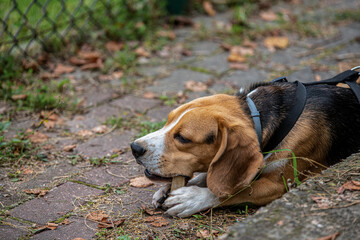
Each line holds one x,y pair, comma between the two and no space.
273,165
155,144
251,93
186,201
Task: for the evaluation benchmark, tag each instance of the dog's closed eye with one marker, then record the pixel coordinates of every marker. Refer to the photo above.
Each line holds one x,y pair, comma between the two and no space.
181,139
210,138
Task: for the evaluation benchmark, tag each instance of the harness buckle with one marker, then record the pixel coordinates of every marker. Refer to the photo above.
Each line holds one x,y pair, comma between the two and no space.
280,79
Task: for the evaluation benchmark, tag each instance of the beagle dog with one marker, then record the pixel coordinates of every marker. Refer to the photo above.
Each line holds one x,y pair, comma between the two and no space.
216,137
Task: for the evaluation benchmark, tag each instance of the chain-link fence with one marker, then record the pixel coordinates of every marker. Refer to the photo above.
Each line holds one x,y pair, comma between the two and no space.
28,26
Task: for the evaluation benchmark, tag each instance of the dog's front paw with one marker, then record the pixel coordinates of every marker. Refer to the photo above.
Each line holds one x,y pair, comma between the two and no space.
186,201
160,196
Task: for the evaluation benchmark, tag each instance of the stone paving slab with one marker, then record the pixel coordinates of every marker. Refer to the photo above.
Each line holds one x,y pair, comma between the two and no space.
77,228
136,104
116,174
176,81
217,63
56,203
244,79
11,233
160,113
105,145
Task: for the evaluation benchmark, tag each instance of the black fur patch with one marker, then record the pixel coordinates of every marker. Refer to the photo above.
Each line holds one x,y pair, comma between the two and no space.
210,138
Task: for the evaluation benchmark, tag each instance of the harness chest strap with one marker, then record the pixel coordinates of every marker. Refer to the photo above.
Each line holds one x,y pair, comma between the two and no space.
349,77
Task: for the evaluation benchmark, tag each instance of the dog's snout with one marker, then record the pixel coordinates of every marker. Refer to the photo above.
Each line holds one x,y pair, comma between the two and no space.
137,150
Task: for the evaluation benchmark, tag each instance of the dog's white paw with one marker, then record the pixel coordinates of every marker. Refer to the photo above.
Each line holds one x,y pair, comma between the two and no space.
186,201
160,196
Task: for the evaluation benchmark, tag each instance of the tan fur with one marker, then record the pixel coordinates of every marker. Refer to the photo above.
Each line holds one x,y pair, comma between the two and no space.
234,158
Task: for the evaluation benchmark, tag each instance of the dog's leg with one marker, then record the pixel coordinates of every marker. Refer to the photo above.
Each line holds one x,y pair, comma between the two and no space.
261,192
199,180
186,201
160,195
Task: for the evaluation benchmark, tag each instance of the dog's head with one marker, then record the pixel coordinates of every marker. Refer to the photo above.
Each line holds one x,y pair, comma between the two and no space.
210,134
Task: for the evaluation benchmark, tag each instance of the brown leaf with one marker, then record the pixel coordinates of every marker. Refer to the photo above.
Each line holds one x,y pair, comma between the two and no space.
19,97
113,46
77,61
48,115
350,185
37,191
27,171
272,43
98,216
239,66
110,224
48,124
280,223
47,76
195,86
79,239
85,133
166,34
150,211
184,226
114,75
140,51
322,202
140,182
117,74
61,69
249,44
236,58
317,77
65,222
69,148
202,233
157,221
329,237
51,226
89,56
243,51
268,15
30,64
94,65
208,8
149,95
100,129
38,137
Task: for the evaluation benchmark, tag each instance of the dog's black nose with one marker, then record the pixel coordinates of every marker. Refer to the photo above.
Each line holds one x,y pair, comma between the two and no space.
137,150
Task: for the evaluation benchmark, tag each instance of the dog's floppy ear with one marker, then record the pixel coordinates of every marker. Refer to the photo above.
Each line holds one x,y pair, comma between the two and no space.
237,161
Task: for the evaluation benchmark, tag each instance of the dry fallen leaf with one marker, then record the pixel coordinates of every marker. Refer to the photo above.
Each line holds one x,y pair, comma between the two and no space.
350,185
113,46
93,65
26,171
236,58
149,95
48,124
250,44
243,51
110,224
330,237
97,216
140,51
157,221
47,76
150,211
272,43
65,222
268,15
140,182
69,148
203,233
166,34
322,202
19,97
37,191
61,69
90,56
239,66
77,61
195,86
85,133
51,226
38,137
100,129
79,239
208,8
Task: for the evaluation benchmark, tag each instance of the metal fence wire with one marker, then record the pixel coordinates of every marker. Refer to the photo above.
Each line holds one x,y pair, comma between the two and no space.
28,26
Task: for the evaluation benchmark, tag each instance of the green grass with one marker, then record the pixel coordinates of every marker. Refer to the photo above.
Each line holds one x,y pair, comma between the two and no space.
13,149
349,14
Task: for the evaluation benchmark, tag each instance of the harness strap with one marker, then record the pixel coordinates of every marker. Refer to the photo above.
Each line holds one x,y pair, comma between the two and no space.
256,118
289,121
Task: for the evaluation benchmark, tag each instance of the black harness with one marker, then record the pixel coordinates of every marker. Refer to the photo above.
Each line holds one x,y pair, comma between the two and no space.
348,77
